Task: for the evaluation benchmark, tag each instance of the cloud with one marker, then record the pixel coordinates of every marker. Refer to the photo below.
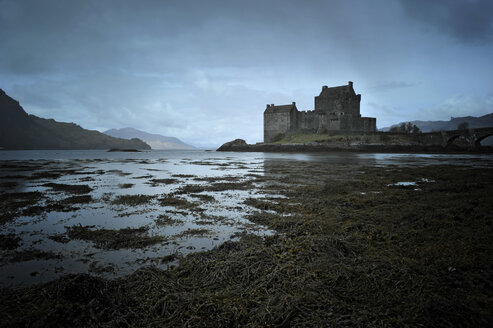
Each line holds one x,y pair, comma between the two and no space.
466,21
386,115
203,108
389,85
457,106
204,70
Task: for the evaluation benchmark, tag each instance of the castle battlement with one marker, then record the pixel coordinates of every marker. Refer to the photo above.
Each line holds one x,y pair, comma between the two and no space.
336,109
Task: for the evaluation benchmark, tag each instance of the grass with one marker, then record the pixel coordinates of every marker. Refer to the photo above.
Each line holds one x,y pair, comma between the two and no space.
342,139
307,138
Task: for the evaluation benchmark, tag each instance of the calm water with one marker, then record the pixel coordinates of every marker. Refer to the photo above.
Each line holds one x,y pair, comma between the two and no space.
221,218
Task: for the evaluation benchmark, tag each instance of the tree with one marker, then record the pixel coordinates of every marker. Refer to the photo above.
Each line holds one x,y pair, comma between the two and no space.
416,130
407,128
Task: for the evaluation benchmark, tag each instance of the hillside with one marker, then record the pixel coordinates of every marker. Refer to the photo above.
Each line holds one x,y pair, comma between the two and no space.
18,130
453,124
156,141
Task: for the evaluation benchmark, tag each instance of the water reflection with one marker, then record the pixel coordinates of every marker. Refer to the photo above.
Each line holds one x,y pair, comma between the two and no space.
209,190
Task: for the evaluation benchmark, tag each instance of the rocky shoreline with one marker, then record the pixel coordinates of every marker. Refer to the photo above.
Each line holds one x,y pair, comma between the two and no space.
240,145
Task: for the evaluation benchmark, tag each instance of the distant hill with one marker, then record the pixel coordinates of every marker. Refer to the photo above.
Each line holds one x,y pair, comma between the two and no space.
18,130
156,141
485,121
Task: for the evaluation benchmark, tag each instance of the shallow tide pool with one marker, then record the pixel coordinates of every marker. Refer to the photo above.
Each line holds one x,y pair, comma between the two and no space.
108,214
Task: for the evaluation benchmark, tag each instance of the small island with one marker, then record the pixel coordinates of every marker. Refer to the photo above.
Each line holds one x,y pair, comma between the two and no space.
123,150
337,125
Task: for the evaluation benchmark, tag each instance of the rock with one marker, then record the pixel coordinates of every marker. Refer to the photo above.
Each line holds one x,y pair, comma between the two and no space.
231,145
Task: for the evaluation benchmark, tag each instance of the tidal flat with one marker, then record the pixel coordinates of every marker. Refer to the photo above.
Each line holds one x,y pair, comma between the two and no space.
206,239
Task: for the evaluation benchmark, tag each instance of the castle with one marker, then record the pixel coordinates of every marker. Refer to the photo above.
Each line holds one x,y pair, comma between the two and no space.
336,109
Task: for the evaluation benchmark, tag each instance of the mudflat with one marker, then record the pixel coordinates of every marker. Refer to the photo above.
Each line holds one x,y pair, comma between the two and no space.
354,243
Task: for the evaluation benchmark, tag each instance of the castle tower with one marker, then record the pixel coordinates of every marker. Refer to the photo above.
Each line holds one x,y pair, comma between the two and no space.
338,100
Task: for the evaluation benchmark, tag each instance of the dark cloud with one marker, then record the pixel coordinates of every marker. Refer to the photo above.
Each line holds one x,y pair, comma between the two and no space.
204,70
469,21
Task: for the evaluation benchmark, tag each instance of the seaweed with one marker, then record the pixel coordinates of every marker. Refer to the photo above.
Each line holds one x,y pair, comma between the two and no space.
59,238
132,200
191,188
203,197
83,199
8,185
192,232
15,204
171,200
157,182
184,176
165,220
348,251
71,189
9,241
126,185
218,186
114,239
99,268
32,254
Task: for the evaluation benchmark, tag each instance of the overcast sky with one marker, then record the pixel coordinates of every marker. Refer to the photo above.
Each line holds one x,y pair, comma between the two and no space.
203,71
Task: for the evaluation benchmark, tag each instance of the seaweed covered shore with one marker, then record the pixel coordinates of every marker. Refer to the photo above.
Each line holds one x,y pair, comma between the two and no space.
354,246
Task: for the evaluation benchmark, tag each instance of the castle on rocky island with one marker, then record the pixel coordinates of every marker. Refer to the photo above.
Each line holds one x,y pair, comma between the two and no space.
336,109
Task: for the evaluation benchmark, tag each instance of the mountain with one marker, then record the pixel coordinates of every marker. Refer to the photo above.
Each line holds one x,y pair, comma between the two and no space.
156,141
18,130
485,121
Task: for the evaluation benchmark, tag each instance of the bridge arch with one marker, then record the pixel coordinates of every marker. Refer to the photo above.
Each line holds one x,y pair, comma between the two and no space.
482,137
452,138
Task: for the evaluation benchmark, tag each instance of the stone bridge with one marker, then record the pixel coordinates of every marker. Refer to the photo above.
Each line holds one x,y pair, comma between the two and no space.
445,138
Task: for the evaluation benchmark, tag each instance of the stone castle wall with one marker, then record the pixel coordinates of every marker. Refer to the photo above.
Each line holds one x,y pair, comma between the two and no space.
276,123
336,109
